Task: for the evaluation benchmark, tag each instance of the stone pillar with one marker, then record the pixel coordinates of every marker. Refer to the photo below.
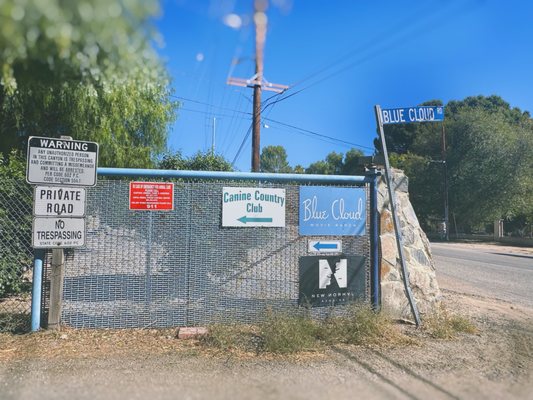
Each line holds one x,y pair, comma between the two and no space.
417,252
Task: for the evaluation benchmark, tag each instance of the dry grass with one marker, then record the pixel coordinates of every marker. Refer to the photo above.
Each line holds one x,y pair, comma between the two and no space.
85,343
363,326
285,334
442,324
278,334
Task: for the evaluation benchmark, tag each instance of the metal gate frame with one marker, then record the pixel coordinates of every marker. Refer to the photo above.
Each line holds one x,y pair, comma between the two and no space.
370,179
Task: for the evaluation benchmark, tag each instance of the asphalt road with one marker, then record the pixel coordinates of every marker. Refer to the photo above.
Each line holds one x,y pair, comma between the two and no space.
486,271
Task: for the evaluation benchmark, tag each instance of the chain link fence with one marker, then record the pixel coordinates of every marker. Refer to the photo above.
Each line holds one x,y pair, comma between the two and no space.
16,255
144,269
160,269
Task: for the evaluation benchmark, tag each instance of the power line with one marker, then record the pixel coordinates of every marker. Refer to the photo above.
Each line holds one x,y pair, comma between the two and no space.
209,113
307,131
428,25
212,105
242,144
319,134
400,26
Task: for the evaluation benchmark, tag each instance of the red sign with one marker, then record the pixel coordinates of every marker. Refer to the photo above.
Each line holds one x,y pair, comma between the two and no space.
151,196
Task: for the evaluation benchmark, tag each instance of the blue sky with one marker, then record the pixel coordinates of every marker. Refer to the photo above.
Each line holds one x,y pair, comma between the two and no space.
340,58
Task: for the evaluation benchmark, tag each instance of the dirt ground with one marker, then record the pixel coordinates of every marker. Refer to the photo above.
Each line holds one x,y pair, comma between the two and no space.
494,363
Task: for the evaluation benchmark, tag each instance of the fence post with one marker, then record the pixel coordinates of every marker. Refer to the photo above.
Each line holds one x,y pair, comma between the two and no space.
56,288
36,290
375,281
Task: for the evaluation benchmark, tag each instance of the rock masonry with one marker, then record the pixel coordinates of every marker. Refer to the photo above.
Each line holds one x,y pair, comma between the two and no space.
417,254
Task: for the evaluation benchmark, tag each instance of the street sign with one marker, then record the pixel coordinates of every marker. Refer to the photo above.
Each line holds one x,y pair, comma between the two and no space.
153,196
55,201
61,162
247,207
324,246
332,211
412,114
59,232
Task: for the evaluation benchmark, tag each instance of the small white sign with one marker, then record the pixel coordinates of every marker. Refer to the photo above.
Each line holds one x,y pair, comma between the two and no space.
248,207
56,201
58,232
324,246
61,162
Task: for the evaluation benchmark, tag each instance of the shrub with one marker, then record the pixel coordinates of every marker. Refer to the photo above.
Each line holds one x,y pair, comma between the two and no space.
442,324
284,334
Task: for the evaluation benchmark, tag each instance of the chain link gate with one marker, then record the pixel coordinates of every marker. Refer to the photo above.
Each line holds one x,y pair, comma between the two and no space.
16,254
182,268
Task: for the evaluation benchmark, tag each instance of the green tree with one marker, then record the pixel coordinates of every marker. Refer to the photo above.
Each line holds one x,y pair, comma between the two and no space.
489,156
198,162
173,161
488,163
208,162
299,169
337,164
274,159
85,69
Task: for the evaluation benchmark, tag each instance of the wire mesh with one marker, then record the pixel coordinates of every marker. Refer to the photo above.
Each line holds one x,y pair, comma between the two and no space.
16,255
182,268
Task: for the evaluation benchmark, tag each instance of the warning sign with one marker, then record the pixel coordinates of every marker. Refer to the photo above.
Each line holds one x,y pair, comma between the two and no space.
61,162
58,232
152,196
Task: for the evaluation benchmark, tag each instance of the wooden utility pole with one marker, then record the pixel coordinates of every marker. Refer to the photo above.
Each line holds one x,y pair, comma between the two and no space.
260,20
258,82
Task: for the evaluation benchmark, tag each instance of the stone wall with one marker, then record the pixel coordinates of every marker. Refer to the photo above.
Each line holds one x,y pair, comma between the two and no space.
417,254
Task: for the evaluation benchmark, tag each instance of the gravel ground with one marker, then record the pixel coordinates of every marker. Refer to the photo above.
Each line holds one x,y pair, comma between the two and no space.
494,363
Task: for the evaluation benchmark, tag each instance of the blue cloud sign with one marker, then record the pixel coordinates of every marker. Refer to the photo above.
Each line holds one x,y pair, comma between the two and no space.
332,211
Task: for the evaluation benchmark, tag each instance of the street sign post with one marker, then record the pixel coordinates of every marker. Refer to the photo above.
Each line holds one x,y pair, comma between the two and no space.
400,116
59,232
248,207
55,201
61,162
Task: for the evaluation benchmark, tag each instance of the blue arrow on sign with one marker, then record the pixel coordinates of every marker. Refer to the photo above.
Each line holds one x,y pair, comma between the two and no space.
322,246
246,219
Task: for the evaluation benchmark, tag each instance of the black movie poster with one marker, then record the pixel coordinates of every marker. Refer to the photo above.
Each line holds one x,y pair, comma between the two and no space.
330,281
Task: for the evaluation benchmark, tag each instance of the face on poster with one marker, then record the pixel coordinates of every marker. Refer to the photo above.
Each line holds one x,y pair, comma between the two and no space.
332,211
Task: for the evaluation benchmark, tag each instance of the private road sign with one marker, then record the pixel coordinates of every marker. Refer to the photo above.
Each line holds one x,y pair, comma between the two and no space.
61,162
248,207
55,201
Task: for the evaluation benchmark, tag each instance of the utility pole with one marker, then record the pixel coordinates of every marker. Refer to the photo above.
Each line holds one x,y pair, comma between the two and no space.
258,82
260,20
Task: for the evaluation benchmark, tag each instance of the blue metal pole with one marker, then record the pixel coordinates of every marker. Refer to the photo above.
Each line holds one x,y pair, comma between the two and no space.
374,245
163,173
36,291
